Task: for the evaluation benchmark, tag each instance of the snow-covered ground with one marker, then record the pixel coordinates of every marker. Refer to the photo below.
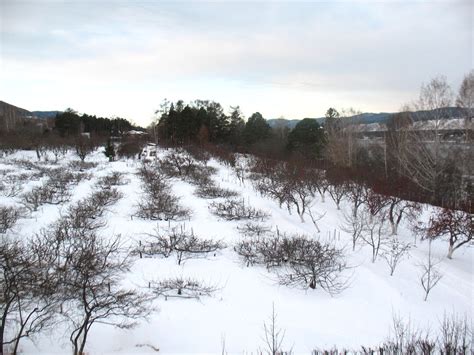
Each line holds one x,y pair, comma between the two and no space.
361,315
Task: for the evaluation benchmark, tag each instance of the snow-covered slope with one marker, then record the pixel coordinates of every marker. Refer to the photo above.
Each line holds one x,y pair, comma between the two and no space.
361,315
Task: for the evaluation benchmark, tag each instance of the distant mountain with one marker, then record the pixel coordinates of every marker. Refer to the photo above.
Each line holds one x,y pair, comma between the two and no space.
282,122
368,118
45,114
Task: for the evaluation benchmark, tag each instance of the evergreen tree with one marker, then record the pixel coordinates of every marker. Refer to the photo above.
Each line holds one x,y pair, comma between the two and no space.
256,129
236,126
109,150
307,138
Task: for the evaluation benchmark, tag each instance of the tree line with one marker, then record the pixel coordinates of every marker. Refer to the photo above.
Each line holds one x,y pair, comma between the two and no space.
407,162
70,123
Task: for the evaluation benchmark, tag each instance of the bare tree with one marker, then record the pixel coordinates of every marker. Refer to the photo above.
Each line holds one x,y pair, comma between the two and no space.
374,233
357,194
341,147
394,252
93,291
13,269
457,225
354,224
27,293
273,336
84,146
397,208
465,97
317,182
430,275
421,156
315,218
337,193
91,271
300,196
465,100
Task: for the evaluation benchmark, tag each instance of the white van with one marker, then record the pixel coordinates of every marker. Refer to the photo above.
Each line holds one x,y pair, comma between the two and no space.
149,152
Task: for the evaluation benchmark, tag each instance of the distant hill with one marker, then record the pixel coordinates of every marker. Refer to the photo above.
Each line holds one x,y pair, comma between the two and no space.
368,118
45,114
11,115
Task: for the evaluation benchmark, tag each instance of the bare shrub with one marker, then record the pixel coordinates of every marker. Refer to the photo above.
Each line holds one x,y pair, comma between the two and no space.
177,163
183,243
130,148
105,198
198,154
82,217
200,175
456,335
212,191
251,229
182,288
249,250
313,264
394,252
55,191
455,339
82,165
61,177
50,193
407,339
232,209
10,189
33,199
158,203
222,155
115,178
240,169
162,206
297,260
8,218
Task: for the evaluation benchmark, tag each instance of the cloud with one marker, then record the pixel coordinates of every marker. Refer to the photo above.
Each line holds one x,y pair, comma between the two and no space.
281,58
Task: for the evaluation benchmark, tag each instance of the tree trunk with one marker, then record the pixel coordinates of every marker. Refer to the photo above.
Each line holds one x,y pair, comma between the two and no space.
394,228
450,251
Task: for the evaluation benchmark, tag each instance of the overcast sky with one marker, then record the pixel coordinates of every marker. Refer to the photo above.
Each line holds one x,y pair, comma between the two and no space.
293,59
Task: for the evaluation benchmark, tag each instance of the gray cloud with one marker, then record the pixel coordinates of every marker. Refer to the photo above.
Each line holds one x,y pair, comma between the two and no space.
331,53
